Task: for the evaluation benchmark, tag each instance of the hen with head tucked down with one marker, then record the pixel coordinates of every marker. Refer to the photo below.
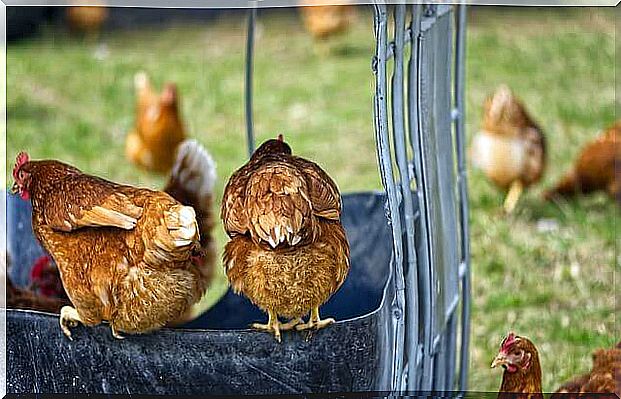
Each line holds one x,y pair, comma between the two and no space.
131,256
288,252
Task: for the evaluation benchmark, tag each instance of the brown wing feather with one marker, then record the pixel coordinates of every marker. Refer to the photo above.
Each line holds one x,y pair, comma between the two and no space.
278,205
86,201
232,210
324,193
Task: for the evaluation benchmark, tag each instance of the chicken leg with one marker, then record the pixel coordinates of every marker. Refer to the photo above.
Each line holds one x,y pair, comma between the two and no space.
515,191
69,317
314,322
273,325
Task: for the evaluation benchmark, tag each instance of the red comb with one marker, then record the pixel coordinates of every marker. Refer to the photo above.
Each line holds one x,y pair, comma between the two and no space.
281,137
39,266
21,159
169,94
509,340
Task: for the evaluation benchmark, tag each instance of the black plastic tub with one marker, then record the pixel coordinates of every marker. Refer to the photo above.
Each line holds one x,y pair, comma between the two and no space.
217,353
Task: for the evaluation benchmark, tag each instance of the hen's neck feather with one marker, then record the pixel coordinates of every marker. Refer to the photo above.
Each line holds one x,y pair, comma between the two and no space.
527,382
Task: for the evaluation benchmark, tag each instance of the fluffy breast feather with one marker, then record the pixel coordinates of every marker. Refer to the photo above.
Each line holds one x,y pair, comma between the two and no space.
501,158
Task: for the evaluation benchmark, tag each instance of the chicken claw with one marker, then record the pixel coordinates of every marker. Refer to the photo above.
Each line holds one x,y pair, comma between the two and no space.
290,325
116,334
268,327
69,317
272,325
275,326
314,322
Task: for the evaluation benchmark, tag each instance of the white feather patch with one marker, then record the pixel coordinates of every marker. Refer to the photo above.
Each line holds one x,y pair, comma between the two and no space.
195,168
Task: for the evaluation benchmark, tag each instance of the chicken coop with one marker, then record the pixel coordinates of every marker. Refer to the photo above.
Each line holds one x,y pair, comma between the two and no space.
404,309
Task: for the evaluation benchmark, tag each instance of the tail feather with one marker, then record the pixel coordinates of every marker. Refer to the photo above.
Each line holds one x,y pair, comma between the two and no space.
566,187
181,224
141,81
194,169
192,181
500,101
175,240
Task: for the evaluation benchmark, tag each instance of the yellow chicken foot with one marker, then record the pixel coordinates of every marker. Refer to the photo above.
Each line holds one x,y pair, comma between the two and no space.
272,325
314,322
515,191
69,317
291,324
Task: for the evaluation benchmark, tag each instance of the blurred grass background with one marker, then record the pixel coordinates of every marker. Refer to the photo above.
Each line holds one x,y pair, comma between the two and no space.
73,100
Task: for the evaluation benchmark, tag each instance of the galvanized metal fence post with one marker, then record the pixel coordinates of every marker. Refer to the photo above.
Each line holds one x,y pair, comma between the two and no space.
388,180
440,268
415,344
252,15
424,281
423,356
405,179
460,130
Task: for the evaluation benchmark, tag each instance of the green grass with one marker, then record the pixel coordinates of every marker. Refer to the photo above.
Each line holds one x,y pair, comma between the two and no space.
555,287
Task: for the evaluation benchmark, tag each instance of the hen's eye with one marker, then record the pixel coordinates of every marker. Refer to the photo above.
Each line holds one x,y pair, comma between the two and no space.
21,174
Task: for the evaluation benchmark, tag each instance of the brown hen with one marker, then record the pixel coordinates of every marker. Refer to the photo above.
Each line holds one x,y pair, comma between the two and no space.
191,182
159,129
522,375
605,376
288,251
86,20
125,255
598,168
510,148
324,21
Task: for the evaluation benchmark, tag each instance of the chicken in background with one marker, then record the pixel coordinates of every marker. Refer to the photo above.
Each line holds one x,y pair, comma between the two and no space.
325,21
521,378
45,293
597,168
45,279
288,252
510,148
127,255
22,298
519,357
86,20
158,130
191,182
604,377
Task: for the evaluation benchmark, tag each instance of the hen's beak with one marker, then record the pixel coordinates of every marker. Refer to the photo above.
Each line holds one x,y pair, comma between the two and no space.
14,188
500,360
